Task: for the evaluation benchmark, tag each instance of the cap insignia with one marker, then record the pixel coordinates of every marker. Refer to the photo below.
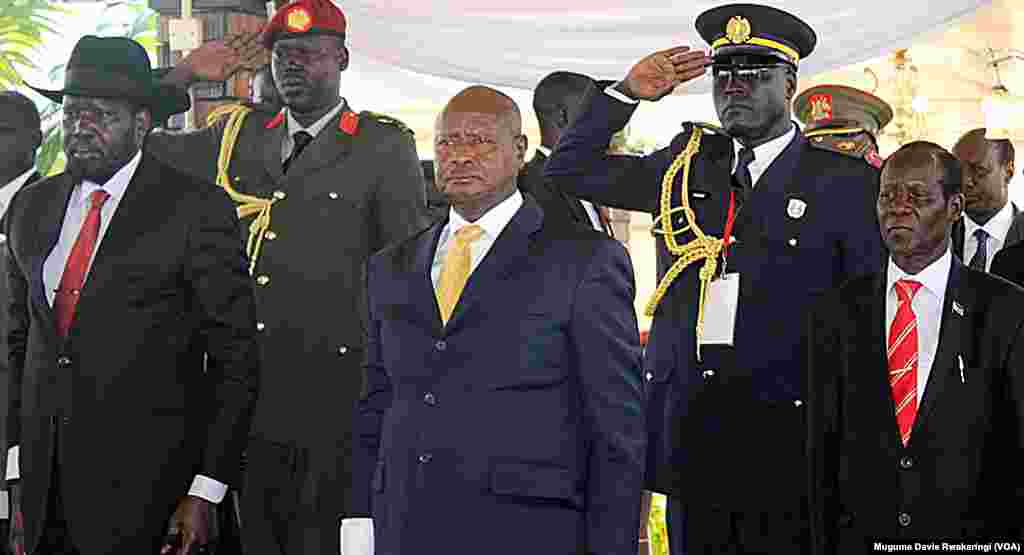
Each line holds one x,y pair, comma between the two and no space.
821,107
299,20
737,30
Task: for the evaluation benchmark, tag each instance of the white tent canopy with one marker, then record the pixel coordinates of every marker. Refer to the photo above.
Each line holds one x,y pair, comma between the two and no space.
514,44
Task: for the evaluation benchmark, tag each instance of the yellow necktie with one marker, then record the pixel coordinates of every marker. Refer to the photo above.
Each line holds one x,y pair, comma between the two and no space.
455,270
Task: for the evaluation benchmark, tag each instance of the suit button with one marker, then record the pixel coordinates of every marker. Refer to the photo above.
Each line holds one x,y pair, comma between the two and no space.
906,463
64,362
441,345
263,280
430,399
333,195
425,458
798,403
342,350
260,326
66,420
270,235
708,374
904,520
793,242
279,195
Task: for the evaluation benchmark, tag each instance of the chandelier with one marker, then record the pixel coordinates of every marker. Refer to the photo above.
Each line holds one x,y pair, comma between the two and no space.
1003,110
909,122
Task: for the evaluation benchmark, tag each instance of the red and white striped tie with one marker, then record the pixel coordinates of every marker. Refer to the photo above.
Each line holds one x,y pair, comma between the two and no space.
903,358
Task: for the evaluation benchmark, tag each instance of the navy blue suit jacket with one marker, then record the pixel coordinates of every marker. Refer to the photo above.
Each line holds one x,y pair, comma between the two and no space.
709,419
519,426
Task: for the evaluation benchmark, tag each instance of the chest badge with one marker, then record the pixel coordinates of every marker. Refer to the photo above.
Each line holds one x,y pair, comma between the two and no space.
796,208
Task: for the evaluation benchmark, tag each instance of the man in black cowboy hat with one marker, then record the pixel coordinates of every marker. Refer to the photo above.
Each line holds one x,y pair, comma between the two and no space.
726,352
124,275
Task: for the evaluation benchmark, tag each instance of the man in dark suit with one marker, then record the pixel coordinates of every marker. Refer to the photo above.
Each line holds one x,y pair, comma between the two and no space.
124,274
726,351
310,216
915,392
992,222
556,101
20,136
504,411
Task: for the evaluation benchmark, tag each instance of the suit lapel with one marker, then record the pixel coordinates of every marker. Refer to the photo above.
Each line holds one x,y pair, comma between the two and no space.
1016,233
957,319
272,151
508,253
50,222
958,237
874,324
422,285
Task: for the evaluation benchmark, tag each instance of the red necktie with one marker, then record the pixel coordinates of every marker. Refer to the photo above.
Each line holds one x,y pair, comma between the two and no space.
903,358
71,281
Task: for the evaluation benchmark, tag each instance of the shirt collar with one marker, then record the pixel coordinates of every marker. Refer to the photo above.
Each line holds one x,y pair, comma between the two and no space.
544,150
494,221
933,278
294,126
8,191
117,184
997,227
766,153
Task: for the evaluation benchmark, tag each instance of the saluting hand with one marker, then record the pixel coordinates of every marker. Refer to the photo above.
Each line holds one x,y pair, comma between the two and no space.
217,60
660,73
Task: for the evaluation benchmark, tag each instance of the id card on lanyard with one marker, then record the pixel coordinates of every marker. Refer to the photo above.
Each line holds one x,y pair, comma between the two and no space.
723,293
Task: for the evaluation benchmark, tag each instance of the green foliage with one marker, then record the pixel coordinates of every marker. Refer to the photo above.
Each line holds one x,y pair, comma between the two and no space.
25,25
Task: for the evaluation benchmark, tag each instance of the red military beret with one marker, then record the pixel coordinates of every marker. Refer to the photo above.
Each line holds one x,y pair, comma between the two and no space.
304,18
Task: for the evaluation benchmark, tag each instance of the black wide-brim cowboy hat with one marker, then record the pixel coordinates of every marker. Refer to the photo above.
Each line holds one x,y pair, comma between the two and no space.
117,68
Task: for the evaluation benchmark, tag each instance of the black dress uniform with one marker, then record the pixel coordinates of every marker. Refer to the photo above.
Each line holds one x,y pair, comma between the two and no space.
726,428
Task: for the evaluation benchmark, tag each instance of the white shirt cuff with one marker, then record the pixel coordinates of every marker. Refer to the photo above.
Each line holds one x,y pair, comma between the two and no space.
610,91
13,469
208,489
5,506
357,536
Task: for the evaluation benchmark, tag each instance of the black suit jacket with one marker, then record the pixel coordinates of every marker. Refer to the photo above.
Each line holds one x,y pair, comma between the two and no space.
560,208
1009,263
962,464
1013,236
125,393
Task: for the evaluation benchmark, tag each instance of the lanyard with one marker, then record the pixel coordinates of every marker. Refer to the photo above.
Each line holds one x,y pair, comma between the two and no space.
730,219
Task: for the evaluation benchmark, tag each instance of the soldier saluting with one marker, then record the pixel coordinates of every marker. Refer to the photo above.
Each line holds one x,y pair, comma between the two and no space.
318,187
752,222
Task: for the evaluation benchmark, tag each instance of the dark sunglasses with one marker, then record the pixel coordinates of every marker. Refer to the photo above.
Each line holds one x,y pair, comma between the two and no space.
748,73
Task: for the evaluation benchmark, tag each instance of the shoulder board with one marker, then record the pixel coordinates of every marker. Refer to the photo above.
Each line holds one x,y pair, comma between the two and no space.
853,147
226,111
386,120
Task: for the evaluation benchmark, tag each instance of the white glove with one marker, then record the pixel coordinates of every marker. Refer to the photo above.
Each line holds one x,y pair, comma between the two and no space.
357,536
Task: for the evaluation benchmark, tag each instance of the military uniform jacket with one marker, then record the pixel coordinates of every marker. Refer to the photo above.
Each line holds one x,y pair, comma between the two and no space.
345,197
728,430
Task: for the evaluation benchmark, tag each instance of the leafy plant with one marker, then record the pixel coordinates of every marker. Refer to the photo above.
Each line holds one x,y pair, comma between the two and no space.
25,25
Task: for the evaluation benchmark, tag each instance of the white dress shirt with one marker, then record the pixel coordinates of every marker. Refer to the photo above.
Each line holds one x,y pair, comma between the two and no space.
8,191
294,127
493,222
595,218
764,154
356,534
6,194
53,268
997,228
927,307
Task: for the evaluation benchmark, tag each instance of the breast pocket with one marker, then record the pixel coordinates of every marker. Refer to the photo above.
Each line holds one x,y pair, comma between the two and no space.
539,344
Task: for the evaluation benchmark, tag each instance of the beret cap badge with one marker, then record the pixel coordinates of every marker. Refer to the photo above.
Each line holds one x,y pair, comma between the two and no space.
737,30
299,20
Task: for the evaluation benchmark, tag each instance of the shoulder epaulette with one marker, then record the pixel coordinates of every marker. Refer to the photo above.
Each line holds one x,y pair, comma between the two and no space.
386,120
859,147
226,111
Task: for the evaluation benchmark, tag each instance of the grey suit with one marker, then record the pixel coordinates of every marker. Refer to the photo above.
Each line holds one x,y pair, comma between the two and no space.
345,197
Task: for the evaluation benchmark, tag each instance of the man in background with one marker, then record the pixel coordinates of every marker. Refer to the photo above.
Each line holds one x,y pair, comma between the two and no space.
556,100
991,221
20,136
844,120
